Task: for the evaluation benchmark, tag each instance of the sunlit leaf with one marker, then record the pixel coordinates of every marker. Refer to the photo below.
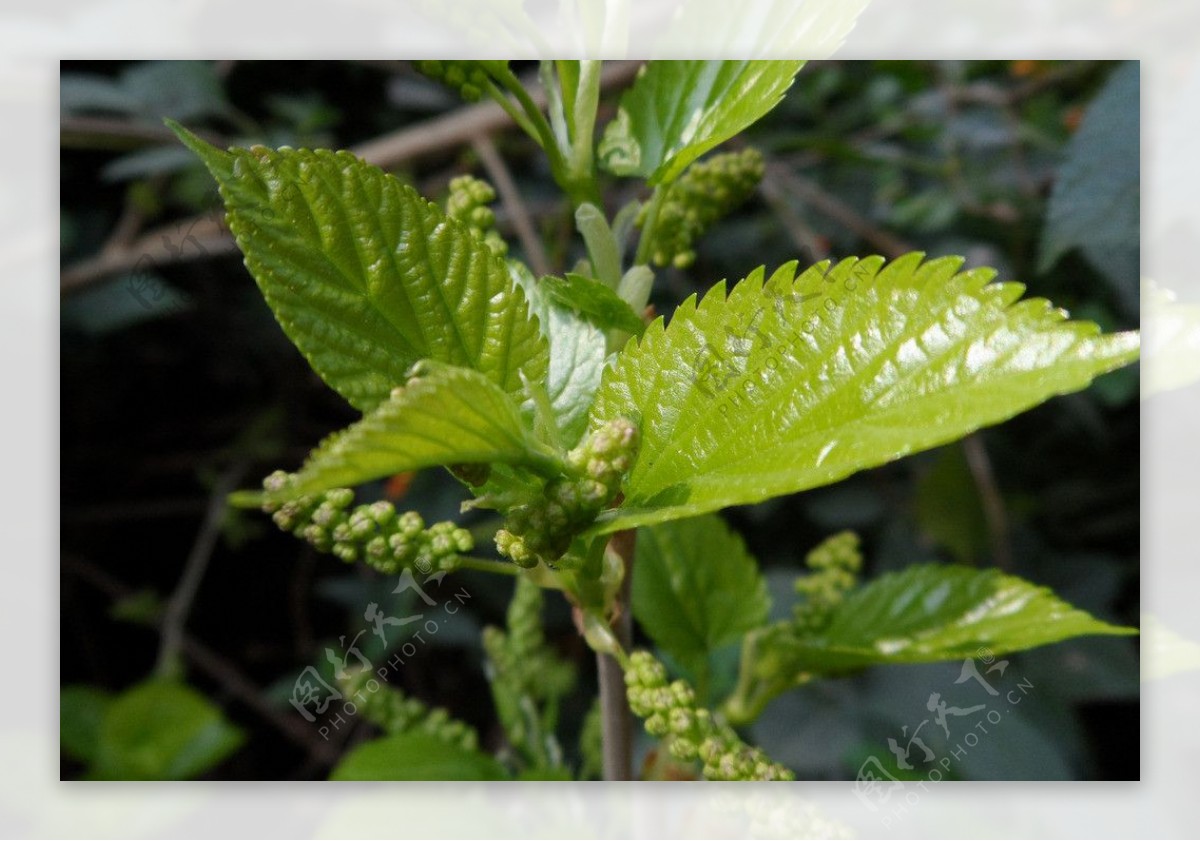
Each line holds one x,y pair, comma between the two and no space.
795,382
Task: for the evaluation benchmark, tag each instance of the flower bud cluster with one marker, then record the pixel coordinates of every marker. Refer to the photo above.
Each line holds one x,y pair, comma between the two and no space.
521,653
394,712
468,203
691,732
836,563
466,77
542,529
703,194
374,533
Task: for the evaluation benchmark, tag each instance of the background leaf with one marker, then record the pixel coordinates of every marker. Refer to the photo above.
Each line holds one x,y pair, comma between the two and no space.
446,415
1095,205
696,589
416,756
948,509
365,276
162,731
800,381
81,709
678,110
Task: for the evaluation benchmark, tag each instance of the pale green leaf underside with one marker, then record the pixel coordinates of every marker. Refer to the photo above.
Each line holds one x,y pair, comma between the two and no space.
800,381
678,110
447,415
365,276
577,354
696,588
930,612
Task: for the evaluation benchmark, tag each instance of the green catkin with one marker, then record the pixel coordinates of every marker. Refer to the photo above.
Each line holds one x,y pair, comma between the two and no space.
467,78
394,712
703,194
542,530
468,203
374,533
691,733
527,678
835,564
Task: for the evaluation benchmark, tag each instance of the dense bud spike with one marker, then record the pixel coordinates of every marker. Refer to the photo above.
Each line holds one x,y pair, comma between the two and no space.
542,529
703,194
372,533
835,562
468,203
669,709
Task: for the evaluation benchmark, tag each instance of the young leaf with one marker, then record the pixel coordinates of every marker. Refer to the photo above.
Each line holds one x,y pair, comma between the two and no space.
162,731
444,415
365,276
923,614
800,381
598,303
416,756
577,354
678,110
696,589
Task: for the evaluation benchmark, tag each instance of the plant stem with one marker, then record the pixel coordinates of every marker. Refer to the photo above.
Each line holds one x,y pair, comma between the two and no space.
180,605
643,250
486,565
615,715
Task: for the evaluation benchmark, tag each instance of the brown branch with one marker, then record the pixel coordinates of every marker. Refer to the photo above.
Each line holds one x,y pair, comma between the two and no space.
218,669
803,237
994,512
615,715
888,244
180,604
119,134
510,198
165,245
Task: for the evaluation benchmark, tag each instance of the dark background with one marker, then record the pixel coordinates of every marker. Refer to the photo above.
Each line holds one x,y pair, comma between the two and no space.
174,373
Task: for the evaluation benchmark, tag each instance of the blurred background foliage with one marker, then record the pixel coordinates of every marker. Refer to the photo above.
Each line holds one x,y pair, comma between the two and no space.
176,381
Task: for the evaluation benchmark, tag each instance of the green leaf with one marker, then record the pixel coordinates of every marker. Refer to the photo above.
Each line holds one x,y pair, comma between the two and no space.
924,614
800,381
678,110
365,276
162,731
577,354
695,589
444,415
416,756
930,612
81,709
1095,205
596,302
